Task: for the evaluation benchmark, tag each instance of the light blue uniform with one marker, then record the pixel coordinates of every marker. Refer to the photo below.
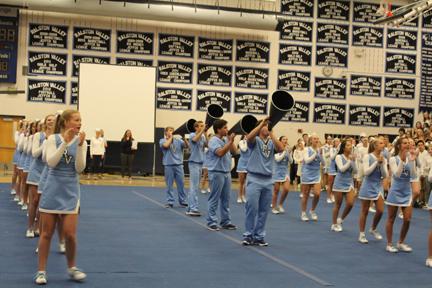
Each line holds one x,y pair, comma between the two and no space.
311,173
332,166
281,168
195,163
17,152
36,166
173,166
430,202
371,187
400,193
61,192
258,187
343,181
43,178
27,162
219,176
243,161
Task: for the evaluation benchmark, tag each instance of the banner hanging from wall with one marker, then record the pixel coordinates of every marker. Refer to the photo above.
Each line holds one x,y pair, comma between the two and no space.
176,45
367,36
427,20
330,88
425,99
77,59
334,9
328,113
135,42
329,33
49,36
395,117
366,116
299,113
92,39
174,99
9,27
292,30
251,103
298,8
255,78
46,91
74,93
253,51
297,81
175,72
411,24
134,62
214,75
400,63
401,39
332,56
365,12
400,88
215,49
363,85
290,54
45,63
207,97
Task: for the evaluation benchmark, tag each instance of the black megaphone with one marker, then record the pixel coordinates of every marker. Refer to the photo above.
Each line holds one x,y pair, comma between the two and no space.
214,112
281,103
186,128
244,126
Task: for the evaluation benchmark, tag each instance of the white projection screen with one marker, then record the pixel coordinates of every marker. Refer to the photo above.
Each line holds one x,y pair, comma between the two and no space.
115,98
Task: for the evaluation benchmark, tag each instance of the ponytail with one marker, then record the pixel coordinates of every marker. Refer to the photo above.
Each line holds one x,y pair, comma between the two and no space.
62,118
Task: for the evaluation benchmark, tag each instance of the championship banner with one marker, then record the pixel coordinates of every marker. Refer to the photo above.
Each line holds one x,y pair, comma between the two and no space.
292,30
207,97
362,85
329,33
400,88
296,81
365,12
135,42
45,63
77,59
299,113
255,78
92,39
332,56
401,39
175,72
174,99
250,103
366,116
215,49
425,100
214,75
367,36
253,51
134,62
334,9
400,63
395,117
290,54
298,8
328,113
330,88
49,36
74,93
46,91
176,45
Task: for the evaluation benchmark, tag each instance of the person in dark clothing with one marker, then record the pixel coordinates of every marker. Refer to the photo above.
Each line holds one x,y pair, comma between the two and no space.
127,153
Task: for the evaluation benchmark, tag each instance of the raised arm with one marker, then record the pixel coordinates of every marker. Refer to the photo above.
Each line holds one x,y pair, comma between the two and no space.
339,163
308,159
278,144
81,155
395,169
280,156
54,154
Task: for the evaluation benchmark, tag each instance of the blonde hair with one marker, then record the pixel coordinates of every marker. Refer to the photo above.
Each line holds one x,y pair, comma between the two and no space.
62,118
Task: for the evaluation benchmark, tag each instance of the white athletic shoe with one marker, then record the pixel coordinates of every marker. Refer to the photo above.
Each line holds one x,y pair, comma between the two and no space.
281,209
372,210
329,201
24,207
390,248
376,234
336,228
311,195
304,217
301,195
20,203
37,250
429,262
203,192
313,215
400,215
30,234
76,274
275,211
16,198
239,200
13,192
40,278
244,199
208,190
62,247
362,238
404,247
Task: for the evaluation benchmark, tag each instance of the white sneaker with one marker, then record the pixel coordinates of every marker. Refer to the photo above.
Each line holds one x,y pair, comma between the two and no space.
390,248
239,200
362,238
20,203
62,247
16,198
208,190
281,209
429,262
41,278
376,234
301,195
313,215
24,207
244,199
329,201
400,215
404,247
203,191
304,217
336,228
311,195
30,234
426,207
37,250
76,274
13,192
372,210
275,211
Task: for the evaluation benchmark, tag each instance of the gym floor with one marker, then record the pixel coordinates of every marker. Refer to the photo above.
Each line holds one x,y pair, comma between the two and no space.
127,238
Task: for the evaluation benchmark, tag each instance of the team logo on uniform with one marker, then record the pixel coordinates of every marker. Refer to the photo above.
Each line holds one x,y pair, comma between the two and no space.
68,158
265,150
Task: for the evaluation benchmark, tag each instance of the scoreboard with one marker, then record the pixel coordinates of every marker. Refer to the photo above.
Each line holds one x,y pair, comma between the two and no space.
8,44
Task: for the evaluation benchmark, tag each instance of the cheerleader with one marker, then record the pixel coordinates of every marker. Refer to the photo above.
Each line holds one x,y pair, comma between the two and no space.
281,177
298,159
403,169
429,259
415,181
20,164
36,169
332,169
311,177
241,168
27,162
15,159
343,183
372,190
66,158
326,151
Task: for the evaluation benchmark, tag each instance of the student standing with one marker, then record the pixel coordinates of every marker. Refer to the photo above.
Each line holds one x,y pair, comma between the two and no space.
97,153
242,168
127,153
281,176
172,149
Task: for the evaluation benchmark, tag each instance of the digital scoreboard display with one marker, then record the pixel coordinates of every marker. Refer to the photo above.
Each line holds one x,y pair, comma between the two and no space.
8,44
